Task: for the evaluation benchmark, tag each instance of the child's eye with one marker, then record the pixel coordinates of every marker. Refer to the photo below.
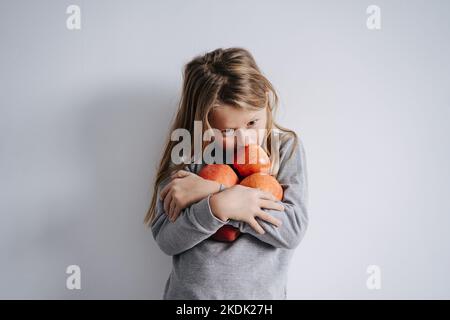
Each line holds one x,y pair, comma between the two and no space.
252,123
227,132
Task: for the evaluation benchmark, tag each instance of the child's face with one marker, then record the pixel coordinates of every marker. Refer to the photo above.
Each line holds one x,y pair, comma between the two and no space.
229,119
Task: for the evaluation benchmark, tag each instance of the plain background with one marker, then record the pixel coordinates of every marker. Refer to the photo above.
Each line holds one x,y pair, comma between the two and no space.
84,113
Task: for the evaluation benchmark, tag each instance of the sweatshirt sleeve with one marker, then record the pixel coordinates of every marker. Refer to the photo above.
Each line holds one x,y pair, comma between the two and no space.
194,224
292,176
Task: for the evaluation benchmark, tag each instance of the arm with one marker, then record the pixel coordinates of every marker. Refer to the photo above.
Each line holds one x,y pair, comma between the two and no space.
185,189
293,178
194,224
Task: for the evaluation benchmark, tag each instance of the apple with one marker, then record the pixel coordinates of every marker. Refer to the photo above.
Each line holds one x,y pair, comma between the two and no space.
264,182
227,233
220,173
251,159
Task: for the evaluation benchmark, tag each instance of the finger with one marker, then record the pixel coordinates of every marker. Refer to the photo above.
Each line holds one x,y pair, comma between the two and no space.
269,204
167,201
271,219
266,195
179,174
255,225
171,210
176,213
165,190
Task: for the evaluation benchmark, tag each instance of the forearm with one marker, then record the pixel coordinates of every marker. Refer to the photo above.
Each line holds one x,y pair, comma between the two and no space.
195,224
293,178
210,187
294,224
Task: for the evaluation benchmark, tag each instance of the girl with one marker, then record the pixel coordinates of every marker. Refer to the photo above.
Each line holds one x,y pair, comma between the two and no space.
226,90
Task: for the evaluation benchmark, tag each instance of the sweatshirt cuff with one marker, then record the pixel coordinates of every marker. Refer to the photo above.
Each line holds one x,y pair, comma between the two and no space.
205,217
235,223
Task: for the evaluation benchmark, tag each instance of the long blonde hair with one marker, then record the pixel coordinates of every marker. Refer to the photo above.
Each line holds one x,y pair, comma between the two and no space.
223,76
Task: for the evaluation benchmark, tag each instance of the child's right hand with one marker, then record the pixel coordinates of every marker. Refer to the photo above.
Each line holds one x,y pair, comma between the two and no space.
244,204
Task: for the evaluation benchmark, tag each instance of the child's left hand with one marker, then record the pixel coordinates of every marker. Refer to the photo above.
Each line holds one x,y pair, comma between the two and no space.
185,189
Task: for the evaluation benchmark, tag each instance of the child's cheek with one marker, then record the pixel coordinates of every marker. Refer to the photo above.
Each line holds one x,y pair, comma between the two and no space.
246,137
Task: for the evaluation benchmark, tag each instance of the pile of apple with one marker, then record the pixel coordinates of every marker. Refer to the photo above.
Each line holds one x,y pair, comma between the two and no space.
252,170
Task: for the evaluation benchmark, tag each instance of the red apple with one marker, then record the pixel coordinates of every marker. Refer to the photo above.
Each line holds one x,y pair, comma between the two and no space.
226,233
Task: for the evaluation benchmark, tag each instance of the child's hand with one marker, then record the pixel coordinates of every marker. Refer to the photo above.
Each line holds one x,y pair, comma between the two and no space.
244,204
184,189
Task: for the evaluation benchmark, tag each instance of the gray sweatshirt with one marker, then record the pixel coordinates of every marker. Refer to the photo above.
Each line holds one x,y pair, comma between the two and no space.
254,266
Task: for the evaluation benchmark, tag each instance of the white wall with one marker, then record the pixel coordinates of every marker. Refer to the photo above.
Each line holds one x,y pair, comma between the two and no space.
83,114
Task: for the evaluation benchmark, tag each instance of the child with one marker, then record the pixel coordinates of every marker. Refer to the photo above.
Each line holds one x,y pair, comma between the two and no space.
226,91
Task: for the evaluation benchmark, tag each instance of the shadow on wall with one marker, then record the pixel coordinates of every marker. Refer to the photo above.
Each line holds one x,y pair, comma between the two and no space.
123,130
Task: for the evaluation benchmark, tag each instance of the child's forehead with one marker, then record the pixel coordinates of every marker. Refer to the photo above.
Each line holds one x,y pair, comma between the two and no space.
229,116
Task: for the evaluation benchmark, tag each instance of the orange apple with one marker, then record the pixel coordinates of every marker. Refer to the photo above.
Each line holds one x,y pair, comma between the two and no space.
251,159
264,182
220,173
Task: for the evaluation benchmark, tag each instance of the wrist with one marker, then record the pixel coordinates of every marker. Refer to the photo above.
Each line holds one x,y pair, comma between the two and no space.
213,187
214,205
